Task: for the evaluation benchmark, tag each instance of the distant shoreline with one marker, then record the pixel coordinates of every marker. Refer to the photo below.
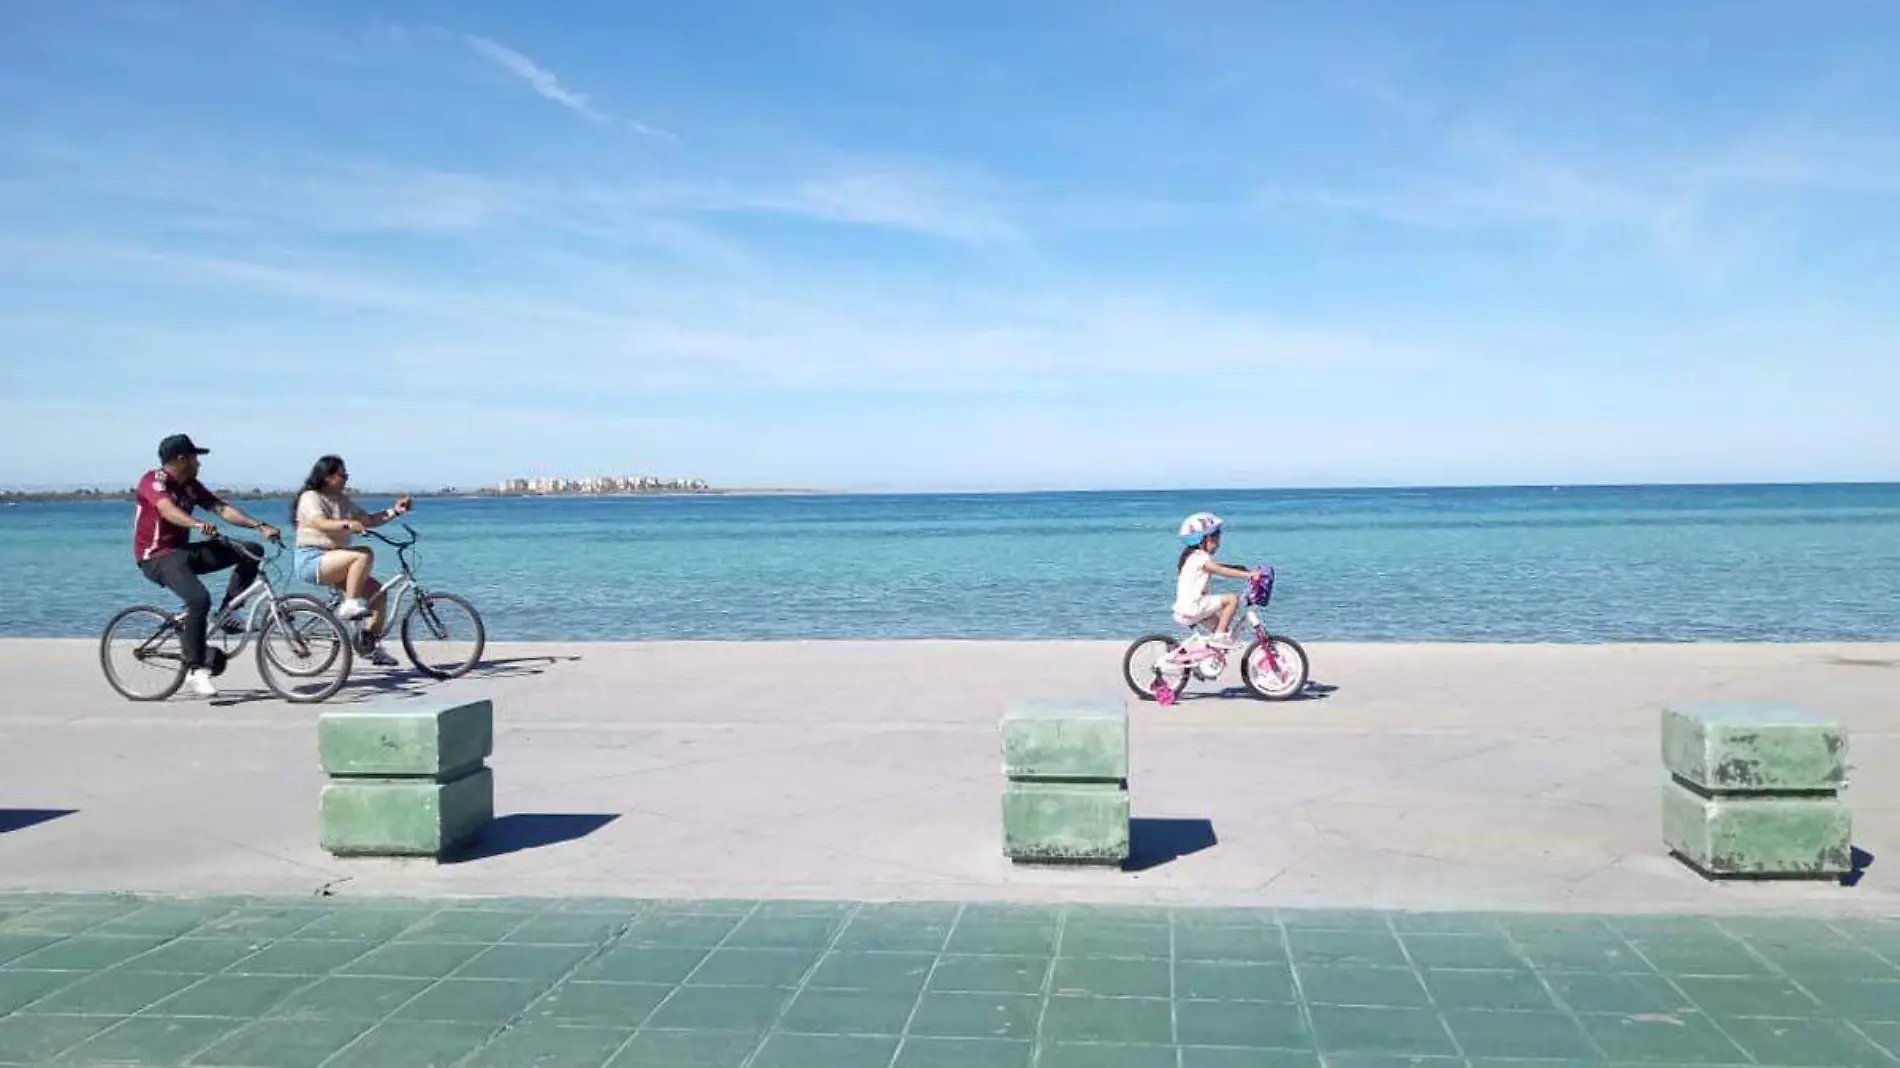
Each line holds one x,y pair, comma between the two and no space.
125,495
1297,491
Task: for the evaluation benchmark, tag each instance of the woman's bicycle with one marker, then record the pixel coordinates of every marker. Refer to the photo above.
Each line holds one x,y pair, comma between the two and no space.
303,652
1159,667
442,633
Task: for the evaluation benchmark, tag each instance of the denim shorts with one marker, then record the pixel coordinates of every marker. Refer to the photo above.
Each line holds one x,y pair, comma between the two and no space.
306,563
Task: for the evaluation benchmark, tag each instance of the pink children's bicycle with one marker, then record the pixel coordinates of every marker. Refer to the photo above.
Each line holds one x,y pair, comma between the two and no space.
1158,667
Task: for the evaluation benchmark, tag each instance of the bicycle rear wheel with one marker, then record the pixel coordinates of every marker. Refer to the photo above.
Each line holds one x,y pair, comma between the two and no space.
303,652
142,654
1146,668
443,635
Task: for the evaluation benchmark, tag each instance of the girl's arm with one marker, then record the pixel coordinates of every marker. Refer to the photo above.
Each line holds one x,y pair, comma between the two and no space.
1230,572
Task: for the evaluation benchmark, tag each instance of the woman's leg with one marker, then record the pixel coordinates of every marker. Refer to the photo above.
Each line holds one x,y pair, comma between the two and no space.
373,622
346,569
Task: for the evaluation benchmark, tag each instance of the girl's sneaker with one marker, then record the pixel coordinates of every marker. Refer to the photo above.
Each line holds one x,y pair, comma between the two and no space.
351,608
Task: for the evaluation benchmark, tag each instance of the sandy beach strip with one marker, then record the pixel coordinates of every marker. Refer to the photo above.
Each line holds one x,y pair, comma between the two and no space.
1440,776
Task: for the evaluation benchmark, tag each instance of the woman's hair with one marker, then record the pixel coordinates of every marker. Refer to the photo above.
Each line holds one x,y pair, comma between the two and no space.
320,473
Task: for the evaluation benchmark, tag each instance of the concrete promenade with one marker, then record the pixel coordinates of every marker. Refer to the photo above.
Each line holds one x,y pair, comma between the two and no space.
1417,777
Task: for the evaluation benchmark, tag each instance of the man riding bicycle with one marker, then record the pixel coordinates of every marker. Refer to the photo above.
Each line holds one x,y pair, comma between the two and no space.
161,543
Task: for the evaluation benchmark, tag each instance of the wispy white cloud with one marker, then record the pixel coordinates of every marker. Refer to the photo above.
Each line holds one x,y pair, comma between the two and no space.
201,186
547,85
541,81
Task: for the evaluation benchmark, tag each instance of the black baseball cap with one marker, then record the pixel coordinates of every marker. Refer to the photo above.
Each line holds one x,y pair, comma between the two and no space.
176,446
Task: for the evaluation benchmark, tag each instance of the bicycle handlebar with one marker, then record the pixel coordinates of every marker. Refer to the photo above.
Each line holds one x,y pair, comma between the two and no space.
387,540
219,535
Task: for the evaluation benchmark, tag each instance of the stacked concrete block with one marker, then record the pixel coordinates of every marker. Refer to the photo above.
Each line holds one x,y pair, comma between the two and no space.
1065,796
406,778
1754,791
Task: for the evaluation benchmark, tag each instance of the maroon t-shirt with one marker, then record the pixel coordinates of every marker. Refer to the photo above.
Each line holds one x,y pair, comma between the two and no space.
152,536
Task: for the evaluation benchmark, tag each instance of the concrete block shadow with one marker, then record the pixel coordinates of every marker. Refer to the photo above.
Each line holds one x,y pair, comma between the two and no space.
1861,861
1153,842
19,819
520,831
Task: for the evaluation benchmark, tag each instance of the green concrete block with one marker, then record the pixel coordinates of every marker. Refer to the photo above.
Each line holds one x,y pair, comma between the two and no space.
1744,748
1073,740
430,739
1760,836
405,817
1065,822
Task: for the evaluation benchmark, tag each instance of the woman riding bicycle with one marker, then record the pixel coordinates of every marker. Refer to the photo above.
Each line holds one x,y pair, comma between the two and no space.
325,518
1192,603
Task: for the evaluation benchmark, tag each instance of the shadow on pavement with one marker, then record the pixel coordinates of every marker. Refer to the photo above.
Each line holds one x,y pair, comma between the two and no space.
406,681
1154,842
19,819
1861,860
520,831
1314,691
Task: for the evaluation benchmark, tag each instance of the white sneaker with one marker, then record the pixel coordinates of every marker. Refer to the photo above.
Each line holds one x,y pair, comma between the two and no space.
199,681
352,608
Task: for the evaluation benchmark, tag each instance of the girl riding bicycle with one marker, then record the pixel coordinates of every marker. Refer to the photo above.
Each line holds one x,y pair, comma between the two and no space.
1192,603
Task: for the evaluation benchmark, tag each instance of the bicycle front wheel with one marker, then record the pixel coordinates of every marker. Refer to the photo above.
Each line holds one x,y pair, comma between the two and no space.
315,652
443,635
142,654
1275,669
303,652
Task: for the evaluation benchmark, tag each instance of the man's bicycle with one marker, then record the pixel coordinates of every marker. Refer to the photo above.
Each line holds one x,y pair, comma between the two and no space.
1158,667
303,652
442,633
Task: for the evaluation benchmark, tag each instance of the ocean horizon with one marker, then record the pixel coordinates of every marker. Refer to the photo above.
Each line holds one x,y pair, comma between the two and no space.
1532,563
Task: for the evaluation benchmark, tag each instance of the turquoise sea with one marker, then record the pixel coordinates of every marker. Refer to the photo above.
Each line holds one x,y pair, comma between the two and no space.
1776,563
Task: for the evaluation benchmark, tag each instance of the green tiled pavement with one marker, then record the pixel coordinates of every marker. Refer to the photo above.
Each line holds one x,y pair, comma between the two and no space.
739,984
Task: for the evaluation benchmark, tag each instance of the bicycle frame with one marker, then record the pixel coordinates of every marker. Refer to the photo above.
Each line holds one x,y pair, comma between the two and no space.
260,595
1190,657
399,588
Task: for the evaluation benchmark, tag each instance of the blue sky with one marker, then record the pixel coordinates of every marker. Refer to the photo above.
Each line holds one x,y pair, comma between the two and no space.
953,245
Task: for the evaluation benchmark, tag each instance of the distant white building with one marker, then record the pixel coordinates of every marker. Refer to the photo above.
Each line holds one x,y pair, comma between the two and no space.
601,484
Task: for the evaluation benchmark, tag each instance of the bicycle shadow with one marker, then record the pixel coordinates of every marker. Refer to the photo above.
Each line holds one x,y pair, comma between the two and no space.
1314,691
407,683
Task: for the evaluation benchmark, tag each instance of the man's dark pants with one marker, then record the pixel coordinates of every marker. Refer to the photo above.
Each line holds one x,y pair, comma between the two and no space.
178,572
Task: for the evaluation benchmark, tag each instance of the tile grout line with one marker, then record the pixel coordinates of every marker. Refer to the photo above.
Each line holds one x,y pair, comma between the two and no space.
599,949
1048,988
642,911
943,947
680,984
1431,999
804,981
438,981
1834,1014
1550,991
298,989
141,905
242,1025
1299,989
1630,943
1174,996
